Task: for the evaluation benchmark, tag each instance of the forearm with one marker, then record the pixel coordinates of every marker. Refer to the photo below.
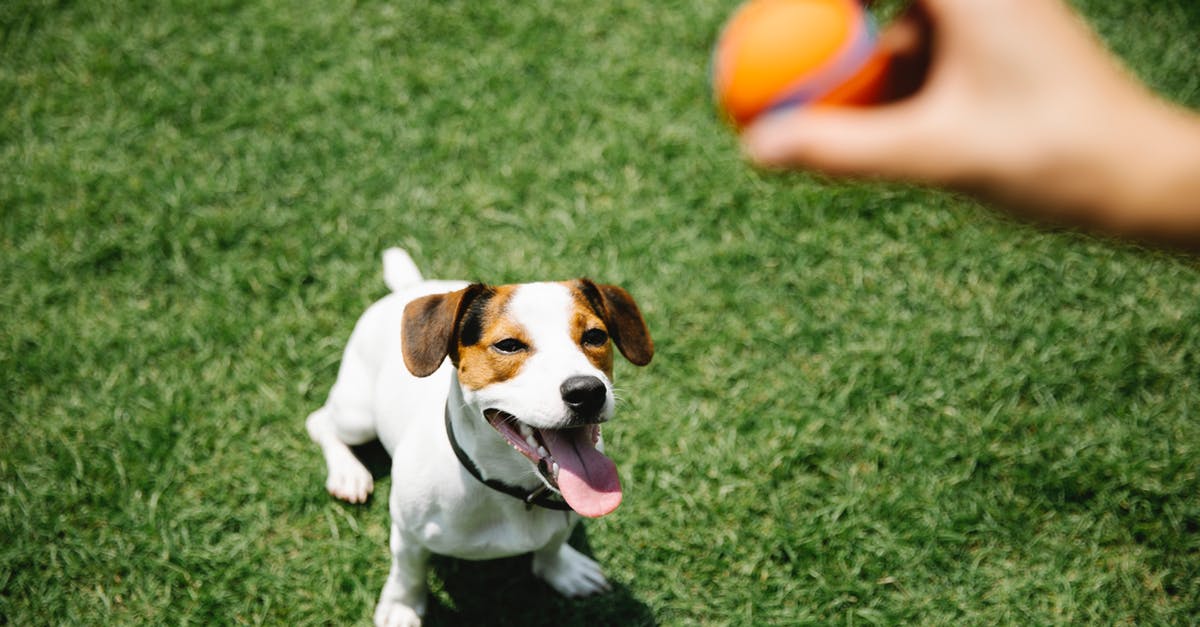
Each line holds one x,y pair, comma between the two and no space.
1132,170
1155,172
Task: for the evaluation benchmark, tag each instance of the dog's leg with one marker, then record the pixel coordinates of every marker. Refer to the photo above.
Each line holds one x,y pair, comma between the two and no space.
402,601
348,479
568,571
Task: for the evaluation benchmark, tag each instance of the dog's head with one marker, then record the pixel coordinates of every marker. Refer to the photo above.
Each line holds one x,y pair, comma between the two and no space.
536,361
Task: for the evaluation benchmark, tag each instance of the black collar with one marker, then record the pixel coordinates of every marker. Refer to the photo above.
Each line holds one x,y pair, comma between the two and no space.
542,496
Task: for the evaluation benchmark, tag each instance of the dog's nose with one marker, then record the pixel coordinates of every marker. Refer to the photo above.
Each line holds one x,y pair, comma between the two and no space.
585,395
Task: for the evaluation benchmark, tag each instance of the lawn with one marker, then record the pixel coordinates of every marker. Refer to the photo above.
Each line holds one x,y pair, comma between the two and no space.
871,404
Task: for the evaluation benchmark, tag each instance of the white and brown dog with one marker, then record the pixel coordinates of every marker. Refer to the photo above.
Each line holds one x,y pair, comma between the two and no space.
489,400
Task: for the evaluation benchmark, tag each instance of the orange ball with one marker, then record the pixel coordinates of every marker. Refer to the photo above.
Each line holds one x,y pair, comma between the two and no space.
774,54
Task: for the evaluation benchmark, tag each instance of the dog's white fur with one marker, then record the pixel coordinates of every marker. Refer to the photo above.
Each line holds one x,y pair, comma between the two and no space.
436,507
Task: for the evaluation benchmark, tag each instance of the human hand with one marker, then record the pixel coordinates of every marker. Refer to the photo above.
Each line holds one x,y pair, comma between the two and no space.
1018,103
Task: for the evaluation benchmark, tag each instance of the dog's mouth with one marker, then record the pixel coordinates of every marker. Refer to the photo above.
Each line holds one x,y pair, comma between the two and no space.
568,459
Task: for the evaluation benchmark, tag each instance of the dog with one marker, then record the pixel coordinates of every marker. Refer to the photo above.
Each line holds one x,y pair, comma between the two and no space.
489,400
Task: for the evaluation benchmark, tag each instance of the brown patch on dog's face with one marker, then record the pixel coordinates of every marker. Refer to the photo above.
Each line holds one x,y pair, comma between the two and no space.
497,331
622,318
589,331
491,347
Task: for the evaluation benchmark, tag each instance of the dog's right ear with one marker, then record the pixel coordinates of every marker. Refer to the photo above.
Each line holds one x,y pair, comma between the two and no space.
428,331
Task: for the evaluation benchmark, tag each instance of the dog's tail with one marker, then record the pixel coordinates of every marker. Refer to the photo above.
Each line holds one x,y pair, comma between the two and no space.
399,270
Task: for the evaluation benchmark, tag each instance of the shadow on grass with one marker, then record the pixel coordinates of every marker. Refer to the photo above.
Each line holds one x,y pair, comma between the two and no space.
504,591
375,458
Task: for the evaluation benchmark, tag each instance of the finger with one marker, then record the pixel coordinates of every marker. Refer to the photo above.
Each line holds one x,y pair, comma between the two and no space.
907,44
905,35
889,142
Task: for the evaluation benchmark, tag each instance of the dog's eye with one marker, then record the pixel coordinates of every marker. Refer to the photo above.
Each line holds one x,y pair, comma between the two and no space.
509,346
594,337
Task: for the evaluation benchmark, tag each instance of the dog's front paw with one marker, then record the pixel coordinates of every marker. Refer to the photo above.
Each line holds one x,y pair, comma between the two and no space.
348,479
396,614
570,572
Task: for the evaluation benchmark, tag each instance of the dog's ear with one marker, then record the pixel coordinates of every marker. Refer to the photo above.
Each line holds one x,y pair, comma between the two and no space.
428,331
623,319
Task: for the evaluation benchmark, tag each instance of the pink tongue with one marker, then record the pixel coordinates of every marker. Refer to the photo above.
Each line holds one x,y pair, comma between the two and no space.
587,479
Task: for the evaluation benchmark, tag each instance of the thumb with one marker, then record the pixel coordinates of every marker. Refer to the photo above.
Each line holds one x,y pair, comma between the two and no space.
883,140
888,142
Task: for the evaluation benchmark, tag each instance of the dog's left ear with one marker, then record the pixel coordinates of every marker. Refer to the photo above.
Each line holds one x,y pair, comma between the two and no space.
623,319
428,331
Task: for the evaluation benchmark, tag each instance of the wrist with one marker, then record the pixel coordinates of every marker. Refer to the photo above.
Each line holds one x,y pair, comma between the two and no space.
1149,185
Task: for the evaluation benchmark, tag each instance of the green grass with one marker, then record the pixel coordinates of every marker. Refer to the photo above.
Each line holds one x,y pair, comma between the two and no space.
870,404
